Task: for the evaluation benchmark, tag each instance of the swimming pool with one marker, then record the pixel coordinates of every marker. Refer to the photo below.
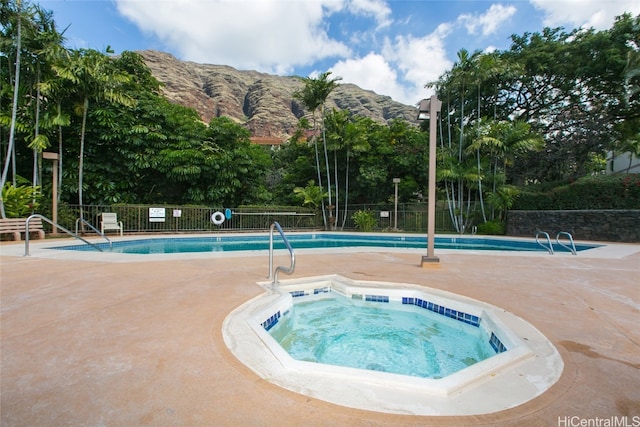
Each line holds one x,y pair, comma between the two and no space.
313,241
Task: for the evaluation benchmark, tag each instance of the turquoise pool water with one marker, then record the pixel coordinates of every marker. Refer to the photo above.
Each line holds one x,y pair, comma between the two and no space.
311,240
385,337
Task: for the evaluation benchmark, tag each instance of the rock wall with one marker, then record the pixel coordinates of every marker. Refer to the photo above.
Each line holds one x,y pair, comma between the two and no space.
600,225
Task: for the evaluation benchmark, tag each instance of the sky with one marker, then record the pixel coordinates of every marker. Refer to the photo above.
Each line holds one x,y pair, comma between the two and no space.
391,47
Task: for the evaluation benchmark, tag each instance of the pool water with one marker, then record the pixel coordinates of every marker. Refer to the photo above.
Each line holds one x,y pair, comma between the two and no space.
388,337
310,240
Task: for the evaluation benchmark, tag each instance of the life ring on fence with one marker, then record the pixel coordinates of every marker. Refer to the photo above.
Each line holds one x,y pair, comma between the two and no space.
217,218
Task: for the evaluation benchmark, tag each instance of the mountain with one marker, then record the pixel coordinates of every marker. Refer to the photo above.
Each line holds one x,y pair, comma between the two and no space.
262,102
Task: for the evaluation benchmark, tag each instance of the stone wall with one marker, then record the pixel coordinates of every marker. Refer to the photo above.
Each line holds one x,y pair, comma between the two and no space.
600,225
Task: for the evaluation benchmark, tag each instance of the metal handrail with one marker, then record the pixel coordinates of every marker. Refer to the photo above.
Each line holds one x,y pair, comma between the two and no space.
291,252
550,245
84,221
572,248
26,237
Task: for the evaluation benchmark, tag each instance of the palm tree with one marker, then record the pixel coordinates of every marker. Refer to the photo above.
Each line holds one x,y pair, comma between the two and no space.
464,173
54,89
502,142
349,136
94,77
14,109
460,78
44,44
518,139
487,67
313,96
443,87
311,194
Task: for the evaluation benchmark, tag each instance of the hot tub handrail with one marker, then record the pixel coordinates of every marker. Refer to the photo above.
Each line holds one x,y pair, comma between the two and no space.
100,233
44,218
274,275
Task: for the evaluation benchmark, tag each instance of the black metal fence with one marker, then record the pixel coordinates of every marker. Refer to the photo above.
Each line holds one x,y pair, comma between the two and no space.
184,219
193,219
411,217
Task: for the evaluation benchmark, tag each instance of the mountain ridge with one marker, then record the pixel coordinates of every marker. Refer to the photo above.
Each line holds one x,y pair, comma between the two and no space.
261,102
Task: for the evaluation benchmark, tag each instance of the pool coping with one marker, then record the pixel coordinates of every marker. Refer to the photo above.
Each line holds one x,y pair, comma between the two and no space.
510,378
42,248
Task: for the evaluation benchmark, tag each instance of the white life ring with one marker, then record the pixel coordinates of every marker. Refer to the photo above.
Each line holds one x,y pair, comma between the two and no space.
217,218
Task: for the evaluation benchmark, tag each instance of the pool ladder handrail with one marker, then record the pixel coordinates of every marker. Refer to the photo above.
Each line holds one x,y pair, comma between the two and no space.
54,224
549,246
274,275
571,247
100,233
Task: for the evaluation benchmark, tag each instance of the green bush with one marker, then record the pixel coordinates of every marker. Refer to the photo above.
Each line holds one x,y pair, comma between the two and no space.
494,227
20,201
365,220
593,192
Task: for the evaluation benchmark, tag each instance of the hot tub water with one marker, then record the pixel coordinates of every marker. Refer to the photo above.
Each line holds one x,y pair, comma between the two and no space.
378,336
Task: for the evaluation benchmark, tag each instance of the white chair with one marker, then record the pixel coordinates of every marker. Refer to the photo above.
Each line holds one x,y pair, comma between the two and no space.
110,221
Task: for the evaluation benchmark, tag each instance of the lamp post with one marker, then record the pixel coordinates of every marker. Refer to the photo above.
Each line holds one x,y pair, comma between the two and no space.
54,188
396,181
429,109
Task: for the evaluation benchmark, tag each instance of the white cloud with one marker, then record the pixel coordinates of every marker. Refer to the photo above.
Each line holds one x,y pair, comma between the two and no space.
372,72
403,67
585,13
285,36
490,49
269,35
376,8
420,60
489,22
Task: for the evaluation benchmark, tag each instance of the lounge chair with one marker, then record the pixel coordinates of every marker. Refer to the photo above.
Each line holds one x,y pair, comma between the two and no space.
110,221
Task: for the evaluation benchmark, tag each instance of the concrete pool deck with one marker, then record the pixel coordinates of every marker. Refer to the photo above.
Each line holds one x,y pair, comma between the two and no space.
138,340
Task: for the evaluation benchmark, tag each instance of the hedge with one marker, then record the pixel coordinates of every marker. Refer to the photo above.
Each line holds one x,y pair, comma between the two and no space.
593,192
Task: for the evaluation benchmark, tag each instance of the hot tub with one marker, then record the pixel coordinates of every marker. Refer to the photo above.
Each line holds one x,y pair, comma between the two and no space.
524,365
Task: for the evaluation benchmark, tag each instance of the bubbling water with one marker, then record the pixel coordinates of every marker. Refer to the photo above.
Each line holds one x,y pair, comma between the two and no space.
386,337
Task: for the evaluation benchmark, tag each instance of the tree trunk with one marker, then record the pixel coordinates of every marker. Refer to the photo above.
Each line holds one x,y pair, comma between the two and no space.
14,112
346,193
81,159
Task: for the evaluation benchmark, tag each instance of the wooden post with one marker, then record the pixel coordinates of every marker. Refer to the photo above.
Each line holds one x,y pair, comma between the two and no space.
54,188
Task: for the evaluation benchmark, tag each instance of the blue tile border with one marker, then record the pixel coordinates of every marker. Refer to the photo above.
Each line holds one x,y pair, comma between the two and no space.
458,315
271,321
461,316
376,298
497,344
316,291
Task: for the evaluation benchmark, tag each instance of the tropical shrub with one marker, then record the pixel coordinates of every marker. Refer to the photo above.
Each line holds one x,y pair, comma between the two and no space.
365,220
21,200
495,227
311,194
